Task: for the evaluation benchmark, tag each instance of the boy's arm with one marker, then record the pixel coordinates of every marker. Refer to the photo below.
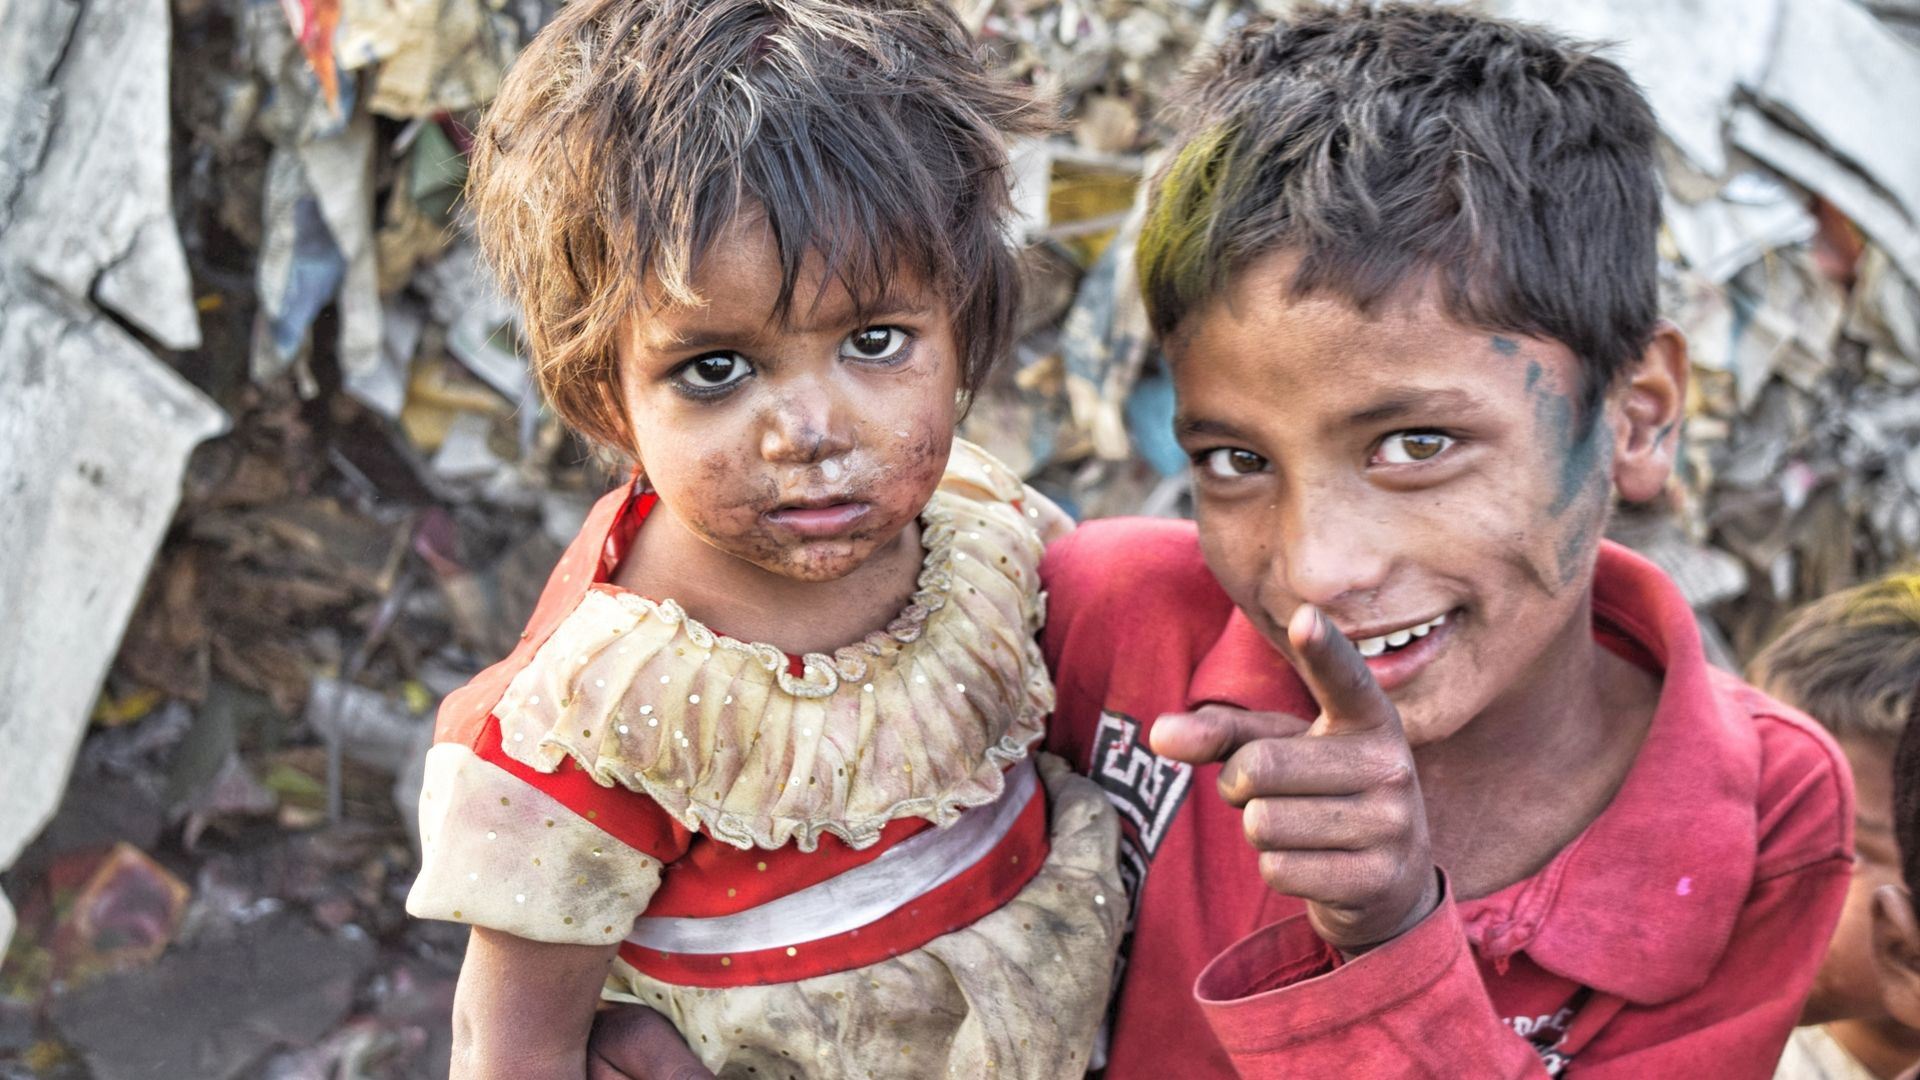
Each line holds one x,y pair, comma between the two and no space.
1333,808
523,1008
1417,1006
633,1041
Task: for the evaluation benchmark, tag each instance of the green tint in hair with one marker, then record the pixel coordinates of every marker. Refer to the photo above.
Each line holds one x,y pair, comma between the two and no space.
1176,249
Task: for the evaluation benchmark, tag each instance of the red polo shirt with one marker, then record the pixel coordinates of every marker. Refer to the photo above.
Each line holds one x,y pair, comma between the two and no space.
1676,936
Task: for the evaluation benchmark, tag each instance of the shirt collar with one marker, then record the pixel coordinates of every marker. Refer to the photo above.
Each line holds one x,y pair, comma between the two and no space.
1674,848
1643,903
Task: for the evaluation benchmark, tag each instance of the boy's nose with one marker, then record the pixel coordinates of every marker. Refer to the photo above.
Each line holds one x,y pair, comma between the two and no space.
802,429
1329,557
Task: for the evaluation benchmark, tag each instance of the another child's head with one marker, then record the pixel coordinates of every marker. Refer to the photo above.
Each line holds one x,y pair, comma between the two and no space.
1852,662
1403,263
1896,928
762,246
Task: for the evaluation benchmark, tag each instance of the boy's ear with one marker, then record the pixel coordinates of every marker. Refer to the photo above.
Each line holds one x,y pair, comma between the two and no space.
1896,952
1647,407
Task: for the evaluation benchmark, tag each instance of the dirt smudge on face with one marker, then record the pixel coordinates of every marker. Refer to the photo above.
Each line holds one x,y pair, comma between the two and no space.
1576,439
1584,528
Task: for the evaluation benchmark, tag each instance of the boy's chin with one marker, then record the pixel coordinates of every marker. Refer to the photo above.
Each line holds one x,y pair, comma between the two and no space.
1429,718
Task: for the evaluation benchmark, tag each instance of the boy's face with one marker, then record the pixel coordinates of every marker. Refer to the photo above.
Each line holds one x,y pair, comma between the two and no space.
802,446
1847,986
1428,486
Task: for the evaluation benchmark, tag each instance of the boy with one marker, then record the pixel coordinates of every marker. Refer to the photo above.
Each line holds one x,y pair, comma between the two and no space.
1896,925
1852,661
1403,265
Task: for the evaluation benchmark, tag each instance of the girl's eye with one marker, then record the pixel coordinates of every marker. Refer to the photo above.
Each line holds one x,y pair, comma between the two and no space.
1229,464
874,343
714,372
1412,447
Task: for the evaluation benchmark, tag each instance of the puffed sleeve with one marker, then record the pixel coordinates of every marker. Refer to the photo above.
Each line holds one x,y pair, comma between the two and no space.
545,856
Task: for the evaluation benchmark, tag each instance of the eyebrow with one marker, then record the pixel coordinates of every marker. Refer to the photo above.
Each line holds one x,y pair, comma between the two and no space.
887,305
1198,426
1404,402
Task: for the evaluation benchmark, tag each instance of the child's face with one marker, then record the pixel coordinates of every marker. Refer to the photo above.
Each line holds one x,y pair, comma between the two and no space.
801,446
1418,481
1847,986
1896,956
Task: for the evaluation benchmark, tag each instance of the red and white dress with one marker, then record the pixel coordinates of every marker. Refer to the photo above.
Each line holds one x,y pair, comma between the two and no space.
831,865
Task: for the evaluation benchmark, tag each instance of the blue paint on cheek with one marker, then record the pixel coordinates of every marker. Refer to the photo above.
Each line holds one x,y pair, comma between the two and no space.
1584,528
1558,420
1533,374
1505,346
1581,461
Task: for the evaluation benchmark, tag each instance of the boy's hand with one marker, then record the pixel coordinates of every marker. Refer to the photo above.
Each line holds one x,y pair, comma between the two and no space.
1333,806
632,1042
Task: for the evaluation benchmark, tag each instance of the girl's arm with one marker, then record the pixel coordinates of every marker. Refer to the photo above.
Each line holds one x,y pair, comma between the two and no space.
523,1009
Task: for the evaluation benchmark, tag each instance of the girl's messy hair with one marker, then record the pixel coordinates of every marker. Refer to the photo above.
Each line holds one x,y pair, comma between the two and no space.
631,132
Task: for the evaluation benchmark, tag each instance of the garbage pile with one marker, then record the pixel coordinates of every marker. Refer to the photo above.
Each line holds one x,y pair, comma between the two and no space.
237,225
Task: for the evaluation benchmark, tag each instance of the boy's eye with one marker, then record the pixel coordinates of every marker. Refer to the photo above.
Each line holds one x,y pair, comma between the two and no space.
714,371
1412,447
874,343
1228,463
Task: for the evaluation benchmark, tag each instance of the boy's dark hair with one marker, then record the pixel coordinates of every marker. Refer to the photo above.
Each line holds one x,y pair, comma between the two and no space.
1386,144
631,132
1851,660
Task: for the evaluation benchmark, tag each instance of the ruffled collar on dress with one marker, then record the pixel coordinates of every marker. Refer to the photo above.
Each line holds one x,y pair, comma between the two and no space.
918,719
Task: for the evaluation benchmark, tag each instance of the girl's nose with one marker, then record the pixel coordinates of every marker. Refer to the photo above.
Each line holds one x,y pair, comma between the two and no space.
804,428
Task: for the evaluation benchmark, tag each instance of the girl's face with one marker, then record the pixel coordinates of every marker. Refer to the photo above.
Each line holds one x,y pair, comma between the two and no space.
800,445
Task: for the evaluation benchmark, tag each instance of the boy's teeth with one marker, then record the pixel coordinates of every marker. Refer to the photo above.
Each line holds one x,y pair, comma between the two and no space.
1374,646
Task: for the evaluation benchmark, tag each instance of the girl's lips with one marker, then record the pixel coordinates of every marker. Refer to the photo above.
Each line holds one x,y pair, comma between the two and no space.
818,522
1395,669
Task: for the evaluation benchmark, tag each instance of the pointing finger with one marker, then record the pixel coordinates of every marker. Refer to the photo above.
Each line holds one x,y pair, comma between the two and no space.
1349,696
1213,732
1266,768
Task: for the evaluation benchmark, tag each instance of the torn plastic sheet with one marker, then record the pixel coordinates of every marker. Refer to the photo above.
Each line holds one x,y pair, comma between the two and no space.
432,55
314,24
318,249
481,322
88,206
1754,213
1814,168
1849,81
1104,341
1664,46
94,436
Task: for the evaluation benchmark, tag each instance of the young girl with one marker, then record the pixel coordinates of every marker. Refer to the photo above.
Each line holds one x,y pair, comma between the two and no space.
761,760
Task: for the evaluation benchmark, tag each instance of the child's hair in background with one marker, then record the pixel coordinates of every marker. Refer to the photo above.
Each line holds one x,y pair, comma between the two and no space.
1852,661
631,132
1386,145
